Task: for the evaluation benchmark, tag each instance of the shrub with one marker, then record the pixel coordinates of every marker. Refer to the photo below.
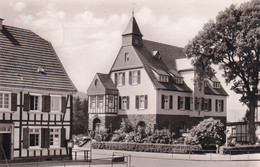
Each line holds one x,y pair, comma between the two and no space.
208,132
101,134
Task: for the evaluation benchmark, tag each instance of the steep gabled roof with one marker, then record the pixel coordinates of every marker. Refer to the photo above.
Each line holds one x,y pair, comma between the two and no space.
132,28
27,60
167,53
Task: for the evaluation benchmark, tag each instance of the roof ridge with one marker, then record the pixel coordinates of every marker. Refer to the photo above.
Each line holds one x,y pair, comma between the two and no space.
162,43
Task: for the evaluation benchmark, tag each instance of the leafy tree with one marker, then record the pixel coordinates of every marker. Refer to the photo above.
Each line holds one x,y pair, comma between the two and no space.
233,43
207,132
80,116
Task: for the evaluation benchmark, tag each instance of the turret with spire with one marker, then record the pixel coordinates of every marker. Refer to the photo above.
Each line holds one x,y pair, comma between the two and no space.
132,34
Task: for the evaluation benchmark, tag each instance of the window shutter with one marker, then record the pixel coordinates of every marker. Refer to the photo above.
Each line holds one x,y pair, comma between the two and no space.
210,108
222,105
139,77
45,138
26,103
127,98
196,103
179,102
14,102
25,138
170,102
216,105
123,82
120,103
146,102
137,102
202,104
116,79
63,137
63,104
162,101
46,103
187,103
130,77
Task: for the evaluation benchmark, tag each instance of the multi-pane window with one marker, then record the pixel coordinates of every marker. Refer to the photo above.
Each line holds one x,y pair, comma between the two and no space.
35,102
4,100
207,104
54,137
111,103
166,102
93,101
134,77
56,103
120,78
34,137
125,102
100,102
216,84
164,78
181,103
179,80
219,105
141,102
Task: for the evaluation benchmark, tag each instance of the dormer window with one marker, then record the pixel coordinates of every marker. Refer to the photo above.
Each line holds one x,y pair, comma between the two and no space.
156,54
179,80
216,84
164,78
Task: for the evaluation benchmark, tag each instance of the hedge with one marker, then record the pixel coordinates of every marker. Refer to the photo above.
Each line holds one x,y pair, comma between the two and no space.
147,147
243,149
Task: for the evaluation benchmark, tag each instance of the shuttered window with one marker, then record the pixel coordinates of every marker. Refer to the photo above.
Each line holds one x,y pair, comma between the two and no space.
181,103
219,105
141,102
124,102
55,137
46,100
166,102
187,103
55,103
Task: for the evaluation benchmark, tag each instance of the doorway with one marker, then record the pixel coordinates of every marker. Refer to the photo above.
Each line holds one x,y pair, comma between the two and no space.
5,146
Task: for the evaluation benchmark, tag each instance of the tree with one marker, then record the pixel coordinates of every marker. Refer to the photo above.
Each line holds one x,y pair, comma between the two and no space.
233,43
80,116
207,132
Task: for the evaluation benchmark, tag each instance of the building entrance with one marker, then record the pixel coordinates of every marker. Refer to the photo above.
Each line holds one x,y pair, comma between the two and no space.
5,146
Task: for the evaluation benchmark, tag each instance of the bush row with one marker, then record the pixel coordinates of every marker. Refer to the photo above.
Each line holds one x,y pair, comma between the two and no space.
147,147
240,149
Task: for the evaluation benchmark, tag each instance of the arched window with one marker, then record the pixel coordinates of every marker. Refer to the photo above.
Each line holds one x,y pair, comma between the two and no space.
96,123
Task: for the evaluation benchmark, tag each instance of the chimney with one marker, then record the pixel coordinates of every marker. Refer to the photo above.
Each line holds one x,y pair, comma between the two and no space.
1,23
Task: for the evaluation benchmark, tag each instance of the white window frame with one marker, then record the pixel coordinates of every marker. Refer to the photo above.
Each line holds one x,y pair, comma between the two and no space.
124,103
93,102
219,106
56,131
111,101
100,101
120,79
182,103
179,80
39,105
216,85
3,100
135,77
164,78
142,102
33,131
59,105
166,102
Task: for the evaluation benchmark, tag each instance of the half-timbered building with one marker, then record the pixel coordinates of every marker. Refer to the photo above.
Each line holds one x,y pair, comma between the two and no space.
35,97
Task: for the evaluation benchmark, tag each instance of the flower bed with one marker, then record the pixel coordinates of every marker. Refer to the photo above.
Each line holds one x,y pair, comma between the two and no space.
146,147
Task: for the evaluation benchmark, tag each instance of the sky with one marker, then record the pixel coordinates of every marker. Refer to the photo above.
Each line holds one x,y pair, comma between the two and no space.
86,34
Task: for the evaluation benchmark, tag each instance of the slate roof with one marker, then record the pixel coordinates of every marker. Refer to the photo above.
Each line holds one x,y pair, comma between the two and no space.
163,65
132,28
107,81
23,54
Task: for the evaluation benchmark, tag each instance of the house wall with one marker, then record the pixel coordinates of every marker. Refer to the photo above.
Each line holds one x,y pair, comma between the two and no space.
35,119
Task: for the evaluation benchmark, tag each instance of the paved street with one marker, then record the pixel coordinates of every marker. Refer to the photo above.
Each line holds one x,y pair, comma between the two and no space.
102,158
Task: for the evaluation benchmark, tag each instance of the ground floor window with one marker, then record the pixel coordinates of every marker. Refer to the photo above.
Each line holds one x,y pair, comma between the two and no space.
34,137
54,137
